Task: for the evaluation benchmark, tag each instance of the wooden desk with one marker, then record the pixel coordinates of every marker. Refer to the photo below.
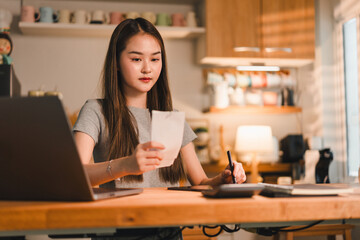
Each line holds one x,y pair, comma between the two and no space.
161,207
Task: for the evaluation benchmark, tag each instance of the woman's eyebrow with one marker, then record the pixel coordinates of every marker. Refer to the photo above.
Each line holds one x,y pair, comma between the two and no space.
140,53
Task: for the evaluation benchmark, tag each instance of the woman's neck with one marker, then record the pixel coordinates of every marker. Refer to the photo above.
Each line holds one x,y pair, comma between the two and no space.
139,102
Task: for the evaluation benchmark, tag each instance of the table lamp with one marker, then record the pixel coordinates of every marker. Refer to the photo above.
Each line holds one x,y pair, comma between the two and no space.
254,139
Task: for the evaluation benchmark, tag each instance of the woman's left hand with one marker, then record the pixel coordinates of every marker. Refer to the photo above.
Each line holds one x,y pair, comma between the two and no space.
239,174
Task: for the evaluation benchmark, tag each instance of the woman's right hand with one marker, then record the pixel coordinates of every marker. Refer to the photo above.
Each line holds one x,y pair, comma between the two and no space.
146,157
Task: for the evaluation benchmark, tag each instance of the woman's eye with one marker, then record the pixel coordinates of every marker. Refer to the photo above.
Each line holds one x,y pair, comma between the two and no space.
135,59
155,59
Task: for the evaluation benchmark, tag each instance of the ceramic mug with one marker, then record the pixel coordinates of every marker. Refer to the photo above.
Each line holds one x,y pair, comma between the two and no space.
191,19
163,19
116,17
178,20
270,98
150,16
132,15
5,19
80,17
28,14
99,17
47,15
64,16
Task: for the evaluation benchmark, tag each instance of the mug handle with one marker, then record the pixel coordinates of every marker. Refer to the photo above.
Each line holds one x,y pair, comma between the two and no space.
37,16
72,17
56,16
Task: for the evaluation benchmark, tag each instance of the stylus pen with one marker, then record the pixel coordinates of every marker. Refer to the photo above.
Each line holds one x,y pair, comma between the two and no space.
231,166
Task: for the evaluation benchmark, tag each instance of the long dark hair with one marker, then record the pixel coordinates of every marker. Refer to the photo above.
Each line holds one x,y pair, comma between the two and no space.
121,124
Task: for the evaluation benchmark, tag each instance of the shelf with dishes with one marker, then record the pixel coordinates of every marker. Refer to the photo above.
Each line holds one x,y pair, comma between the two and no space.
101,30
256,110
233,91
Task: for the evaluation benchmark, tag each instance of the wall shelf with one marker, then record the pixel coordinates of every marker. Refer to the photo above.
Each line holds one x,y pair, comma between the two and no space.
145,1
256,110
97,30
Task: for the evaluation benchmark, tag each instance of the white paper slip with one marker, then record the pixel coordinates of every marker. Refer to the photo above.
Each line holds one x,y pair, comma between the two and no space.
167,128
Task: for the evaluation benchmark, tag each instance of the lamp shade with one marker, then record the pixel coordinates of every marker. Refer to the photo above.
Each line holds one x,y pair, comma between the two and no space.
254,139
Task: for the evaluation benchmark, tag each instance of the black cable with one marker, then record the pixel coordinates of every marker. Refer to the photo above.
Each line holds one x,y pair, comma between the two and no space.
221,229
274,230
229,230
212,227
301,228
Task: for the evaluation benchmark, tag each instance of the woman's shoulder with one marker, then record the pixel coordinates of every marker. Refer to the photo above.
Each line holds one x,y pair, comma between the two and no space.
93,104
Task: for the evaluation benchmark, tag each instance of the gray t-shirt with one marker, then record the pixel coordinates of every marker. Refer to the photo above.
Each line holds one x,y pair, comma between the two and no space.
92,122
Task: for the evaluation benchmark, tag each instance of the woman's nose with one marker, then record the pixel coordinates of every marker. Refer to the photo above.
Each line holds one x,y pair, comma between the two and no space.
146,67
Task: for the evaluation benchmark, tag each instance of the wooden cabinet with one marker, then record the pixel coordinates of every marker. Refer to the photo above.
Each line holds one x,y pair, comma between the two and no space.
259,30
233,24
288,28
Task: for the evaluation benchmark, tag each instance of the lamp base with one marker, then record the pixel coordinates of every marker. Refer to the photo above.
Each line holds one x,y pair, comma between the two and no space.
254,169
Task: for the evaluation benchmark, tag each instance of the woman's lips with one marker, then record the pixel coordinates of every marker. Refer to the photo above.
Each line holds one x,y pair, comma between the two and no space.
145,79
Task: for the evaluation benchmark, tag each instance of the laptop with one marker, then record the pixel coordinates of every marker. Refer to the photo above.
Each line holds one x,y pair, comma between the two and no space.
38,155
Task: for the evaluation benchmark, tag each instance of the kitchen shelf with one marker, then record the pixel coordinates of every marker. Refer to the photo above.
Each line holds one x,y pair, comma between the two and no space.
256,110
144,1
97,30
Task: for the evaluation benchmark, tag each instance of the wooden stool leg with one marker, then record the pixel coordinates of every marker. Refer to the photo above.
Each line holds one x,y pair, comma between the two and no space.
289,236
347,235
276,236
331,237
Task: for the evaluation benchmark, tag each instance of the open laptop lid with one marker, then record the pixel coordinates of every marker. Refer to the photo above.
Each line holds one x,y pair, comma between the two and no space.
38,155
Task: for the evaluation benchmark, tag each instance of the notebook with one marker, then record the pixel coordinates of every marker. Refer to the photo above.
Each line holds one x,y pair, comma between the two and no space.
297,190
38,155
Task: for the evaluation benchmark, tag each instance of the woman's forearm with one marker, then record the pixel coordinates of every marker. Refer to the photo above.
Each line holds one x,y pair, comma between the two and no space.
103,172
215,181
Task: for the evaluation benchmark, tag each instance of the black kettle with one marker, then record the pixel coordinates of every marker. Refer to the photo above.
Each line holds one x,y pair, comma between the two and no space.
322,167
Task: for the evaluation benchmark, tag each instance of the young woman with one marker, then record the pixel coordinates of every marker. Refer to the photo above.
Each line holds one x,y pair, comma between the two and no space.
116,129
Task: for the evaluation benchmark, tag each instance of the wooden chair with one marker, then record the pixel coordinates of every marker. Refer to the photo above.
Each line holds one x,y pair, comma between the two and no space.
329,230
73,117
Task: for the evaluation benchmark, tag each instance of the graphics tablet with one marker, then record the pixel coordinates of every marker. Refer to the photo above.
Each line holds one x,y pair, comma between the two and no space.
233,190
